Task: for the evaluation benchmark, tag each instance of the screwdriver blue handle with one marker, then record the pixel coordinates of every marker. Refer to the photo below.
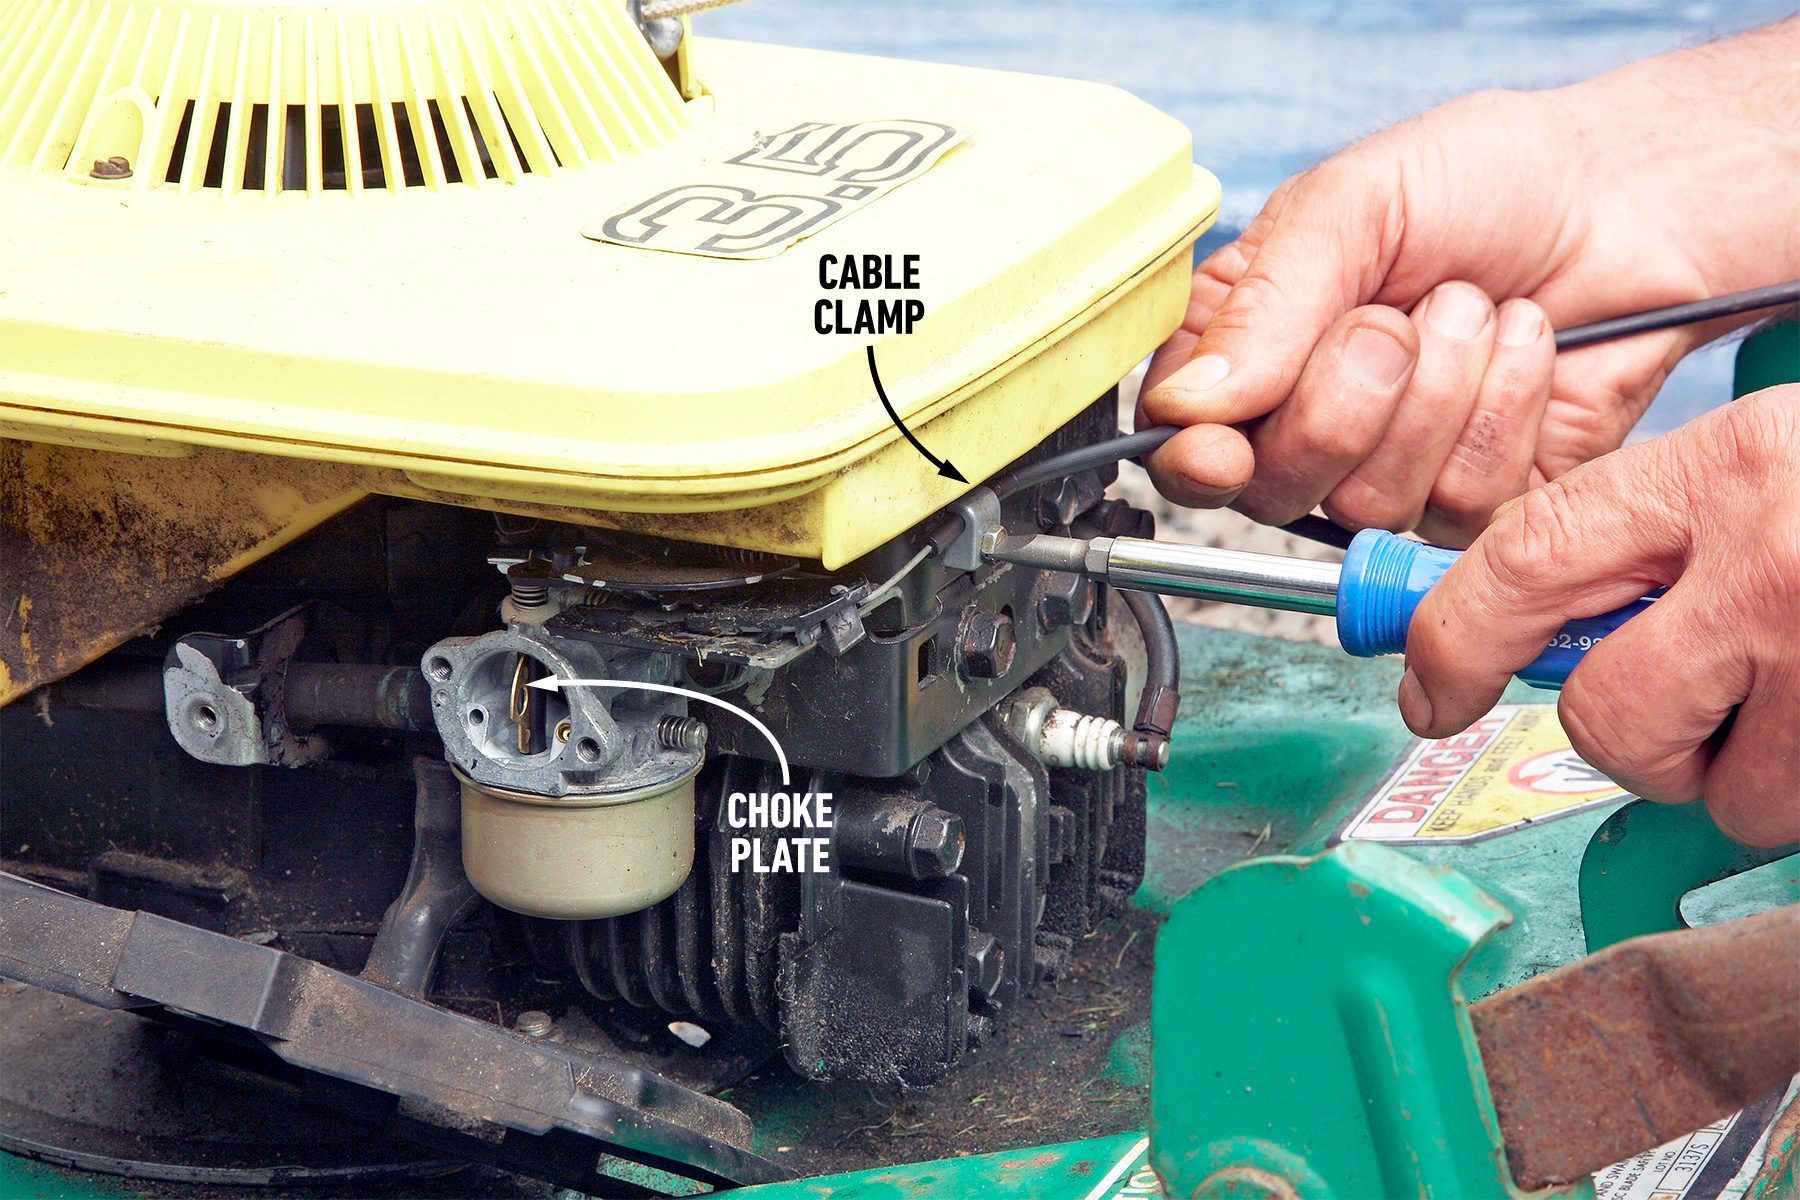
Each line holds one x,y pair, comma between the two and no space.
1384,579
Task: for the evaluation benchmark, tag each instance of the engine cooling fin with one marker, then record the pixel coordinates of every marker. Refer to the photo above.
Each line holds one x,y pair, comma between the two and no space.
229,97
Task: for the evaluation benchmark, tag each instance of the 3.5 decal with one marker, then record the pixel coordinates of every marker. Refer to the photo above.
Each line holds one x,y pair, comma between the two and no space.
832,169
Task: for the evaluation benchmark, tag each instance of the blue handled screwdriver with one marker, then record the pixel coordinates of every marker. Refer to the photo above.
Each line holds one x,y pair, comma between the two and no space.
1373,593
1376,590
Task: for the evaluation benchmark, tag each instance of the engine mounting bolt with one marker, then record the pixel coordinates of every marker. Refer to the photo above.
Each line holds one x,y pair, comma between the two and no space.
987,644
986,959
1059,502
681,733
936,844
534,1023
116,167
1067,600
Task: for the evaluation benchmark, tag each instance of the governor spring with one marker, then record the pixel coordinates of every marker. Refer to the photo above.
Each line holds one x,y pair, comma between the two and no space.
681,733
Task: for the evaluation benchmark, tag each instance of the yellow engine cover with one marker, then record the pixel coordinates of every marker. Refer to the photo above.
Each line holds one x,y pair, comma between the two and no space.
560,277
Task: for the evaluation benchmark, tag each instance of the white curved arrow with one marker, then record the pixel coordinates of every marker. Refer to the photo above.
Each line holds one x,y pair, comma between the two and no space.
553,683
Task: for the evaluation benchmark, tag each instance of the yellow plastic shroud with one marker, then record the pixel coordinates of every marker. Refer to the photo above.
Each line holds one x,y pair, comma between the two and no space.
470,345
475,341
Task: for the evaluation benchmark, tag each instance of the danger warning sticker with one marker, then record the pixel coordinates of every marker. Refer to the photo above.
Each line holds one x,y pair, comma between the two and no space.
1512,768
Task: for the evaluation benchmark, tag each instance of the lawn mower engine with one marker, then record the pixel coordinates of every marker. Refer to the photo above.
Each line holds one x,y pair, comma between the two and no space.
475,598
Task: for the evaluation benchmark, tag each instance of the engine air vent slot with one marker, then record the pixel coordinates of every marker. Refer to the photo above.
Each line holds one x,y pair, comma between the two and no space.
239,97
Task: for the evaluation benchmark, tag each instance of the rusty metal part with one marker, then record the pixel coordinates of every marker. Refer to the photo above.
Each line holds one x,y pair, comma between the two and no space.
111,1093
1640,1043
116,167
651,564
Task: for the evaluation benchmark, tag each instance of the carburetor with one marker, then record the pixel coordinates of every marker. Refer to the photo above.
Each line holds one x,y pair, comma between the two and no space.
576,803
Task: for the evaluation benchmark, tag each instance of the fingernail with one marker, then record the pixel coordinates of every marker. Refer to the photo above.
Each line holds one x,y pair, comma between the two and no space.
1457,310
1415,705
1207,371
1198,492
1377,359
1520,324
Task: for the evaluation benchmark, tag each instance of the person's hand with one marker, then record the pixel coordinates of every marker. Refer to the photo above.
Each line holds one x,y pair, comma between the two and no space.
1699,695
1346,350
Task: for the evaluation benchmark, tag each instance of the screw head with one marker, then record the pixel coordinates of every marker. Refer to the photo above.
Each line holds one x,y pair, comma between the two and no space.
116,167
987,644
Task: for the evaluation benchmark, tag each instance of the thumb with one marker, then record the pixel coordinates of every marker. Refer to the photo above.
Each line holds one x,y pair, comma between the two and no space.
1584,544
1324,253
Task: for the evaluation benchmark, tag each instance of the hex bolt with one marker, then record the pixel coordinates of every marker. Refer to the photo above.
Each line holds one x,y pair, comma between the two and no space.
116,167
534,1023
1059,502
935,843
985,961
681,733
1067,600
897,833
987,644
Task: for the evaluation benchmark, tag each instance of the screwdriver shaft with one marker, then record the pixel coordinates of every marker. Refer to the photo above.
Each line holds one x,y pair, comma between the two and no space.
1175,569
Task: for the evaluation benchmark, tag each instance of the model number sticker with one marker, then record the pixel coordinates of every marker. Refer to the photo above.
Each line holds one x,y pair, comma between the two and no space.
783,187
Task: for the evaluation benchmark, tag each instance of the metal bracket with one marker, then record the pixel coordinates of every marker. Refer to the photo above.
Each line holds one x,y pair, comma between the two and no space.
979,510
223,696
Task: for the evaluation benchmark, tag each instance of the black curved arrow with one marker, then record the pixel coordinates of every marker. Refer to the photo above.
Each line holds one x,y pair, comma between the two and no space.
944,466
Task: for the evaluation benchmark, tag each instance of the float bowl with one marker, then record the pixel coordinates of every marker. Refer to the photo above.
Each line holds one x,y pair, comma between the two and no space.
579,856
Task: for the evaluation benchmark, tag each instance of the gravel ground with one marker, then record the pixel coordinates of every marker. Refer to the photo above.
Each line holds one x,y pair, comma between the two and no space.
1220,527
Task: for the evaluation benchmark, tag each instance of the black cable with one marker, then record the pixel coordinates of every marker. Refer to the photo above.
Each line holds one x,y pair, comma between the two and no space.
1083,458
1322,530
1147,745
1161,651
1318,529
1772,296
1136,445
